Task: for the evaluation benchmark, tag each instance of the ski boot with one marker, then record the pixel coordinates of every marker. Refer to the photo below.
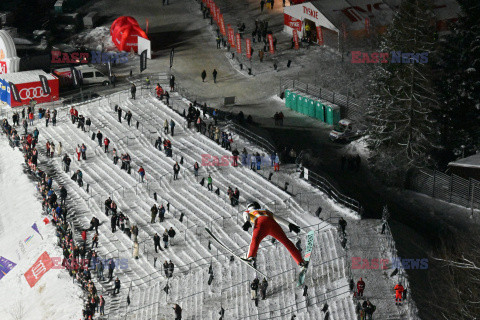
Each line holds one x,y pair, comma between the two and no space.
303,266
250,260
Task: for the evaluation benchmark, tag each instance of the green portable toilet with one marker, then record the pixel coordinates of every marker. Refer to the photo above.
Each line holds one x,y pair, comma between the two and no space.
308,103
319,111
288,99
311,107
305,101
333,114
293,100
299,103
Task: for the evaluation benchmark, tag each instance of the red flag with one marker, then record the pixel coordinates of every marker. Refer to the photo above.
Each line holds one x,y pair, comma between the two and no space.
213,11
249,48
320,35
228,35
295,39
39,268
239,43
270,43
231,36
218,15
222,25
46,221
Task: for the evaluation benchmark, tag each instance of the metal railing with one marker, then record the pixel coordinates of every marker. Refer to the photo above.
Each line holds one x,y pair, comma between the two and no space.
328,188
449,188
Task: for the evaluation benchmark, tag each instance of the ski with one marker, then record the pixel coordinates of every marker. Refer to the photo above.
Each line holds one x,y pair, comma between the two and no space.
235,255
308,253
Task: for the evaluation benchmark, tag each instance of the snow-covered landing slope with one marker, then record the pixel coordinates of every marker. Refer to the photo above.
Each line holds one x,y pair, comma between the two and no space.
54,296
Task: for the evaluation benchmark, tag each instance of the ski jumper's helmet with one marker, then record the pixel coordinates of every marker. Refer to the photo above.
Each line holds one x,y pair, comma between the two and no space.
253,206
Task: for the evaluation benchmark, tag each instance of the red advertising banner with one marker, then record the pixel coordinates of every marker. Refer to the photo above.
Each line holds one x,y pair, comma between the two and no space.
213,11
231,36
320,35
218,15
270,43
295,39
249,48
39,268
239,43
291,22
222,25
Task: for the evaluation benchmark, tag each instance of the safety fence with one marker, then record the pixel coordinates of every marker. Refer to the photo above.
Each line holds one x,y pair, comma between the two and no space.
448,188
315,179
328,188
350,108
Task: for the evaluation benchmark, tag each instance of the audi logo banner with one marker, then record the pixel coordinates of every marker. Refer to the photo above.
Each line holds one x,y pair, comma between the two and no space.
18,94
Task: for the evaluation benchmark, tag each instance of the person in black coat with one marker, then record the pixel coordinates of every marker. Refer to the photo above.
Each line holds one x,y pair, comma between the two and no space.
99,138
119,112
108,203
113,222
133,90
156,242
63,195
178,312
117,286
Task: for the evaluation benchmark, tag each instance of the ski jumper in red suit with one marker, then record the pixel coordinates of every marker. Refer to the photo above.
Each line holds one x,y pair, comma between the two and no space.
265,224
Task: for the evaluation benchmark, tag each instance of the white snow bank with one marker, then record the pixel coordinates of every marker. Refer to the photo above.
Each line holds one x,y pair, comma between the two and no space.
54,296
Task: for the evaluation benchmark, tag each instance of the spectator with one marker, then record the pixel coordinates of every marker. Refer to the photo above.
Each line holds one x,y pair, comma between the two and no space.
156,242
360,287
204,75
178,312
254,289
165,239
172,126
171,235
195,168
133,90
154,211
209,183
263,288
398,294
117,286
141,172
176,170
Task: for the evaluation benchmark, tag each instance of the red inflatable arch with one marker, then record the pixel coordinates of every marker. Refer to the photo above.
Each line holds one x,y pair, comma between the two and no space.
124,32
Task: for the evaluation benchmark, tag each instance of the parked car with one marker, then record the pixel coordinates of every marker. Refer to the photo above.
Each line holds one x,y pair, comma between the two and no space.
345,130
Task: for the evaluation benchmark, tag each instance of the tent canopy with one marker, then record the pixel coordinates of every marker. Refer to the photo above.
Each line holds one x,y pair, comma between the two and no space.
310,11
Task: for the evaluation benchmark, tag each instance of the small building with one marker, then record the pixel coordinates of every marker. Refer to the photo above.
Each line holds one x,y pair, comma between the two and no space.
468,167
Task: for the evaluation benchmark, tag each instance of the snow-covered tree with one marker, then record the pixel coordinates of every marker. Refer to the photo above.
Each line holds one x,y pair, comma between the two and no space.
459,86
400,125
